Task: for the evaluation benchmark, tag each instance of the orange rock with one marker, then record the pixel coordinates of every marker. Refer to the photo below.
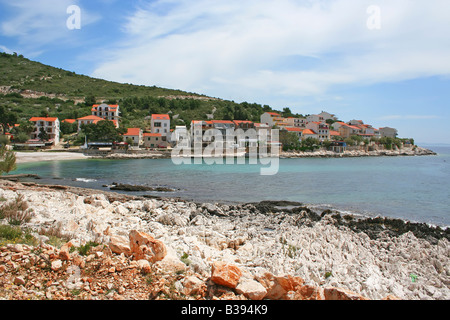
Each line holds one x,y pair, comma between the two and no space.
64,254
308,292
391,297
278,287
225,274
332,293
144,246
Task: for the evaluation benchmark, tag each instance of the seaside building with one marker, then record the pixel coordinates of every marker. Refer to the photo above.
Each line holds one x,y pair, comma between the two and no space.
154,140
269,118
297,131
180,137
388,132
48,125
107,112
314,118
160,123
134,134
347,130
244,124
88,120
327,116
295,122
321,129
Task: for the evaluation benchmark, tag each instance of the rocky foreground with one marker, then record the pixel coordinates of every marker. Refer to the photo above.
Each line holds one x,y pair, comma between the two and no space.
140,248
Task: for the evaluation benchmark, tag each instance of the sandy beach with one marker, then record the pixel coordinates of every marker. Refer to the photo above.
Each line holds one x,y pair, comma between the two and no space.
26,157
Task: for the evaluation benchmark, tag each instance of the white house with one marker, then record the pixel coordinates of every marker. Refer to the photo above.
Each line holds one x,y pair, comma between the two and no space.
136,135
388,132
320,128
160,123
107,112
327,116
314,118
269,118
49,125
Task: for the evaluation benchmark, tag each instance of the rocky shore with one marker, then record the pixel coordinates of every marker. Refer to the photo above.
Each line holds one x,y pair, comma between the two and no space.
140,248
417,151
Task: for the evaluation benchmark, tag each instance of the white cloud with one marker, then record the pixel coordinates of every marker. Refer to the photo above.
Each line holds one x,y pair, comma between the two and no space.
228,48
37,24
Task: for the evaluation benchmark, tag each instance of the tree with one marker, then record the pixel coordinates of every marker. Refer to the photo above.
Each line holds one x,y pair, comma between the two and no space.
7,160
43,135
289,140
103,131
90,100
7,119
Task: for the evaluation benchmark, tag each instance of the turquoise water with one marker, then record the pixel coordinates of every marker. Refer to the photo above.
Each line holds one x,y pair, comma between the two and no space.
412,188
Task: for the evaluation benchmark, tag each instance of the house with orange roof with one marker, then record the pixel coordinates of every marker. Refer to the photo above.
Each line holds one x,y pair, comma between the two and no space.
49,125
160,123
308,133
244,124
269,118
70,121
107,112
295,122
321,128
296,130
88,120
135,135
154,140
347,130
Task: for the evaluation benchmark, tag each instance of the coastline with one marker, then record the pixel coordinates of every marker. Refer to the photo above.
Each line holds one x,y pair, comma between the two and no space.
373,258
28,157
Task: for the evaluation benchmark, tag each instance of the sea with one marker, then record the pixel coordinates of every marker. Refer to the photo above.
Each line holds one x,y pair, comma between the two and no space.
411,188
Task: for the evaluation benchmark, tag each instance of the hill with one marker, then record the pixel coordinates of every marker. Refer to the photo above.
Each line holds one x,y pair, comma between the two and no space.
30,88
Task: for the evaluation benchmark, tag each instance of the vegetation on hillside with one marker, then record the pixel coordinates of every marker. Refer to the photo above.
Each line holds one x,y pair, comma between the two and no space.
67,95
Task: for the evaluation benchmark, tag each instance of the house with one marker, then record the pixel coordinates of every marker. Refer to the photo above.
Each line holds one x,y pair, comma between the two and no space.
69,121
160,123
107,112
295,122
226,128
88,120
388,132
335,134
135,134
48,125
320,128
314,118
327,116
297,131
355,122
308,133
269,118
244,124
154,140
347,130
180,137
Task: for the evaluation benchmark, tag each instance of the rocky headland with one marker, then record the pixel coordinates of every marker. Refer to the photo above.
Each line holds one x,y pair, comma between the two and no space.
140,248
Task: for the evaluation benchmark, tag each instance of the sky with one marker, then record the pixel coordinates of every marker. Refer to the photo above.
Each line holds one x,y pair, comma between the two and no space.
386,62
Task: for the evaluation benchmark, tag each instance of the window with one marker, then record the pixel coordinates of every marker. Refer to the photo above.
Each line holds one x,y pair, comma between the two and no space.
157,124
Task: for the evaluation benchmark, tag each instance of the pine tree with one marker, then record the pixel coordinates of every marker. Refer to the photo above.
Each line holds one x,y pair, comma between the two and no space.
7,160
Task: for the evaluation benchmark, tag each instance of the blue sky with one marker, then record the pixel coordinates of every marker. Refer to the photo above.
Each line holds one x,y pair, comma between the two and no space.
384,62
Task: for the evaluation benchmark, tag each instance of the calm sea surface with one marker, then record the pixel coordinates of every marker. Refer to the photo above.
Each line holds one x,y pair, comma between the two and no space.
413,188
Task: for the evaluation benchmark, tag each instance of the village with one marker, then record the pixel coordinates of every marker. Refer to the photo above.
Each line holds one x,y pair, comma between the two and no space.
322,130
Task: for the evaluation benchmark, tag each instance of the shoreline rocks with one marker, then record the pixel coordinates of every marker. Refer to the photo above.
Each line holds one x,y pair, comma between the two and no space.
269,250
